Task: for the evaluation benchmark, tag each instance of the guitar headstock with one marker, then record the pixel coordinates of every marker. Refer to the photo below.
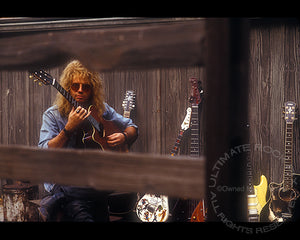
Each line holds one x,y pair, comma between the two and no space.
289,112
129,101
41,76
196,91
186,122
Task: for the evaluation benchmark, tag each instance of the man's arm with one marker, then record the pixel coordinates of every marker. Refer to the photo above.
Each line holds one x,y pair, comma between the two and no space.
75,118
129,135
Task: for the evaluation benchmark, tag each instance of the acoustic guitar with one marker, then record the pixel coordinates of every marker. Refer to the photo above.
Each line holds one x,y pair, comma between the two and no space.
280,206
94,134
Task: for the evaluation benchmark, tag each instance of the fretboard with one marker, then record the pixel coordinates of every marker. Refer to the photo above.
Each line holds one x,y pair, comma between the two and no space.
250,189
288,159
177,143
195,131
251,196
65,93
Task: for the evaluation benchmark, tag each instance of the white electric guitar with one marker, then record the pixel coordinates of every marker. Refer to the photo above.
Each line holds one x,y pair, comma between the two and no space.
155,208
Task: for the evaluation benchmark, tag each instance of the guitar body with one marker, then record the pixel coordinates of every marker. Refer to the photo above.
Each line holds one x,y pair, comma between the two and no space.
199,213
153,208
257,200
261,192
281,204
93,138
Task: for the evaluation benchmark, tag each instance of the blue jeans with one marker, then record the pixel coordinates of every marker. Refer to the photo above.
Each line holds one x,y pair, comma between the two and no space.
78,204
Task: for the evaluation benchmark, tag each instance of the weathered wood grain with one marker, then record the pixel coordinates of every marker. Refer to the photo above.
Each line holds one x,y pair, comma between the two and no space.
274,79
118,47
173,176
227,113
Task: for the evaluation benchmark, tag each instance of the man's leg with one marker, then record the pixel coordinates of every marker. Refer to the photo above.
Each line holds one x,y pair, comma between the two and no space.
80,210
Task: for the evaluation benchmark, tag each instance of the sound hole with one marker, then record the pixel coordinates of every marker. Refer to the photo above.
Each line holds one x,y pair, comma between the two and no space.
287,195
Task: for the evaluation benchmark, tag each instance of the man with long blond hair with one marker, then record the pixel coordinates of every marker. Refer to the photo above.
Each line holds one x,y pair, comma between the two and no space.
62,127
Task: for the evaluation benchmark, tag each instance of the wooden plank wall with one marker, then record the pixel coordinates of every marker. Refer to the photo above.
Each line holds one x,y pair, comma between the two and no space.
161,96
161,102
162,99
274,79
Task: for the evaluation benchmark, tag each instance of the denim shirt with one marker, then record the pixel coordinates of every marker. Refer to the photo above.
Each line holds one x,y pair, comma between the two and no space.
54,123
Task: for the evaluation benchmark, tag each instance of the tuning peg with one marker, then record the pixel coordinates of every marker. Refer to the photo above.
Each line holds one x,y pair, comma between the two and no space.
40,84
30,76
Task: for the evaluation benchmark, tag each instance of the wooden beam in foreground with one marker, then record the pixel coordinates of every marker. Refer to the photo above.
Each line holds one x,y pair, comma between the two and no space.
136,172
131,46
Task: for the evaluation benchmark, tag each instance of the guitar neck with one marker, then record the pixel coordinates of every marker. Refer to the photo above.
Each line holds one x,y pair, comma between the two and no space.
65,93
250,188
195,131
74,103
288,159
251,196
177,143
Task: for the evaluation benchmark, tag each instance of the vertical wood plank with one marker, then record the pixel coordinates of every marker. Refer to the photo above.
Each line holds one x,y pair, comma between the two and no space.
226,120
274,70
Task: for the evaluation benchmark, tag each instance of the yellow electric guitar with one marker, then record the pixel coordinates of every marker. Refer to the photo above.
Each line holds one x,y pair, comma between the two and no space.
257,199
256,194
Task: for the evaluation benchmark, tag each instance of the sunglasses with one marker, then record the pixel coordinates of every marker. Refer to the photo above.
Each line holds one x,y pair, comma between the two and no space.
85,87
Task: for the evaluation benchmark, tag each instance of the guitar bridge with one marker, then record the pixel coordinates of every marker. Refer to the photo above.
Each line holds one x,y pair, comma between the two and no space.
286,216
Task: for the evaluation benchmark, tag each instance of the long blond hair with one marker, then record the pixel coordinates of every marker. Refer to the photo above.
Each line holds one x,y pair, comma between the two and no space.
75,68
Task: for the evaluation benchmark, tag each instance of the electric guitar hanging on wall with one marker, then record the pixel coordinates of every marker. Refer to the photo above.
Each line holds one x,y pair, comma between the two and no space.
94,135
199,212
280,206
155,208
184,126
